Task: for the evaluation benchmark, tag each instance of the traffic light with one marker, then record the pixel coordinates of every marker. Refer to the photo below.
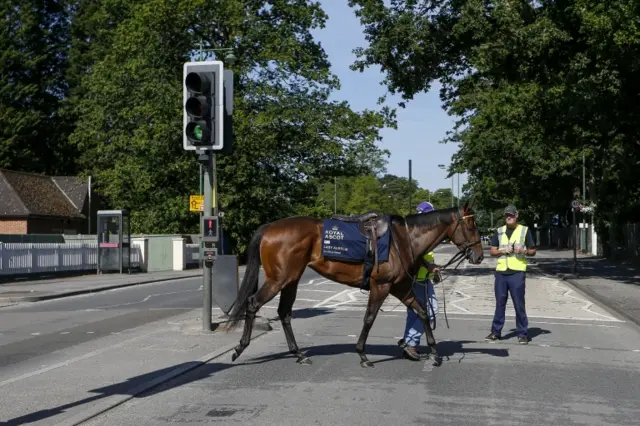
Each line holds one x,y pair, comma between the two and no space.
210,229
203,109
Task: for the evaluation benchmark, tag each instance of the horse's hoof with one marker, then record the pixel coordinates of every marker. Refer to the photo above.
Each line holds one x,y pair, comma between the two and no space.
304,361
235,355
366,364
437,361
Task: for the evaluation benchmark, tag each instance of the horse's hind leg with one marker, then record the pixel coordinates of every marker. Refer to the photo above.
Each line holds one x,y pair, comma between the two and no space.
376,297
287,298
267,292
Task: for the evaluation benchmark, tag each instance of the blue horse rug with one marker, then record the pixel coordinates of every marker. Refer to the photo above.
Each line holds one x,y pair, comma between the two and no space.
343,241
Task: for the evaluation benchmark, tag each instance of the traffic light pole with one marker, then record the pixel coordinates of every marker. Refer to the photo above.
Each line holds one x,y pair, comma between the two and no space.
205,158
208,127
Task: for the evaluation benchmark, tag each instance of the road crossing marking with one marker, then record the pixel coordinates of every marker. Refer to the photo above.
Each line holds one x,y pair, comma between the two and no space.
330,298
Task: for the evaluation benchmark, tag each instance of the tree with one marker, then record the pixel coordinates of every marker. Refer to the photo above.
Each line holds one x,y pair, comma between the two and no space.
32,40
388,194
288,135
535,86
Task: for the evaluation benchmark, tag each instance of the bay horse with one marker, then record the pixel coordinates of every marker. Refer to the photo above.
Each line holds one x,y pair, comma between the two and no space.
287,246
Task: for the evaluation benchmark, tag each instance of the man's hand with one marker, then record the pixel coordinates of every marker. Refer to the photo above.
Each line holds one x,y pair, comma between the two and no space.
509,249
521,250
434,269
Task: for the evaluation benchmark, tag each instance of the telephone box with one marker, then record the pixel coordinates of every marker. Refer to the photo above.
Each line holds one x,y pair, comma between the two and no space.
114,241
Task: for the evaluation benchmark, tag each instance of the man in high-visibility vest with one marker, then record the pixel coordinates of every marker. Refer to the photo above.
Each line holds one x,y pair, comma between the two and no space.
511,244
423,290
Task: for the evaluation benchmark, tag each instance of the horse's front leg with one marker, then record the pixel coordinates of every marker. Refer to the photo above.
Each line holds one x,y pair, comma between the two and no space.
376,297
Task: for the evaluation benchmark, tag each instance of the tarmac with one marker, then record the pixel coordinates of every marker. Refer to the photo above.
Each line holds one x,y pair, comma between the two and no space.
153,360
47,289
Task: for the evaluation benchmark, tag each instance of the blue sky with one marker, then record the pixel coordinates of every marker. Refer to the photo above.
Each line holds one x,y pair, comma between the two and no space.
421,125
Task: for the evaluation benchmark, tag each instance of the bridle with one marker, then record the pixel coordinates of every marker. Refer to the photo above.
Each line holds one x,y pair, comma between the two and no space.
464,252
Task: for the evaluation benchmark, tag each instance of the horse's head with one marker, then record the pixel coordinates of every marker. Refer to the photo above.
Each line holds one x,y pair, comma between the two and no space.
465,235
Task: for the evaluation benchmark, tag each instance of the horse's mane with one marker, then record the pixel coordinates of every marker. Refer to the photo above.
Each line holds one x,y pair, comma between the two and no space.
430,219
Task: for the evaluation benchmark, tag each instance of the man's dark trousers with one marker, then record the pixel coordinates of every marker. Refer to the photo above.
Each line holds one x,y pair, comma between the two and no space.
514,284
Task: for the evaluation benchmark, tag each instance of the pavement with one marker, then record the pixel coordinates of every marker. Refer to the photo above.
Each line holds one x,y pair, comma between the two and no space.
582,366
36,290
616,286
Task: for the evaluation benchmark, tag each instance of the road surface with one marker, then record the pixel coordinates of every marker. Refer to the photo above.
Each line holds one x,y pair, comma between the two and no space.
582,367
34,329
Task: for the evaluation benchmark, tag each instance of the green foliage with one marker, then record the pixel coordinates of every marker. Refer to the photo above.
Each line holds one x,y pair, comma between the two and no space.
96,88
32,39
388,194
534,84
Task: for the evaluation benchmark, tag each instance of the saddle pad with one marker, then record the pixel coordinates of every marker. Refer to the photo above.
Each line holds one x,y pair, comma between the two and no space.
343,241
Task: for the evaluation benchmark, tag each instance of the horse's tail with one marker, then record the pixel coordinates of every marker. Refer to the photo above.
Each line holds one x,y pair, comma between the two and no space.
249,284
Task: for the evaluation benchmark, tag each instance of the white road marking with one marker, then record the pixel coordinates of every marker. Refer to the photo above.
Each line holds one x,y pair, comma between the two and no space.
308,283
587,304
330,298
35,334
145,299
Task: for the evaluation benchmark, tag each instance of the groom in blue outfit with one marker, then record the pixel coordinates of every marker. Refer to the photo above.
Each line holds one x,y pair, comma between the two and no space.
422,289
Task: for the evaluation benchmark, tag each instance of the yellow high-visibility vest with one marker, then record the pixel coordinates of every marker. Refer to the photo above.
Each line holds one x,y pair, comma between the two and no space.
423,272
513,261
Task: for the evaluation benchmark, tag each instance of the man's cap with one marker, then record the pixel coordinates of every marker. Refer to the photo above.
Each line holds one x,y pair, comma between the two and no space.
510,209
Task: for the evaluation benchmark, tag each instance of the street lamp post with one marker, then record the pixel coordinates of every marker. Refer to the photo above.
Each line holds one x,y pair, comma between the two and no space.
458,189
442,166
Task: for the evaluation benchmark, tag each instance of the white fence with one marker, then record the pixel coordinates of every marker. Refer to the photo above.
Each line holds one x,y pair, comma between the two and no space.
33,258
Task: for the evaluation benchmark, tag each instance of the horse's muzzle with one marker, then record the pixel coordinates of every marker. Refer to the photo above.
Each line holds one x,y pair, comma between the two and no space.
474,258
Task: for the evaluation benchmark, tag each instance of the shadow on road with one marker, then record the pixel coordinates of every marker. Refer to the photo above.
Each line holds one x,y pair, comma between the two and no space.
303,313
591,268
391,352
127,387
533,333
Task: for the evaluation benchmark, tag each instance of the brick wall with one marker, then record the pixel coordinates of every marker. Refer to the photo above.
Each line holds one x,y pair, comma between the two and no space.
13,226
56,226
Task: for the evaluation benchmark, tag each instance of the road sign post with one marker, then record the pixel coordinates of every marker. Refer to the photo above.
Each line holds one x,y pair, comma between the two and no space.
575,205
206,160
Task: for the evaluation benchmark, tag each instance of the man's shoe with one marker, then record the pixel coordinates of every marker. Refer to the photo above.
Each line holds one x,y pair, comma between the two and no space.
492,337
523,340
410,352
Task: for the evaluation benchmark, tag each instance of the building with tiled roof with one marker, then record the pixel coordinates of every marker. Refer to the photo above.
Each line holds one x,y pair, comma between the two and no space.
38,204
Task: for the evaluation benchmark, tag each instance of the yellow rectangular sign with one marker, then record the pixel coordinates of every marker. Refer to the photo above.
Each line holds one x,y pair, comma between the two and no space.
196,203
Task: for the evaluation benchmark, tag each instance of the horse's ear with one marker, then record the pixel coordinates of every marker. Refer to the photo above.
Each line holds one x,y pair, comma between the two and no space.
466,208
